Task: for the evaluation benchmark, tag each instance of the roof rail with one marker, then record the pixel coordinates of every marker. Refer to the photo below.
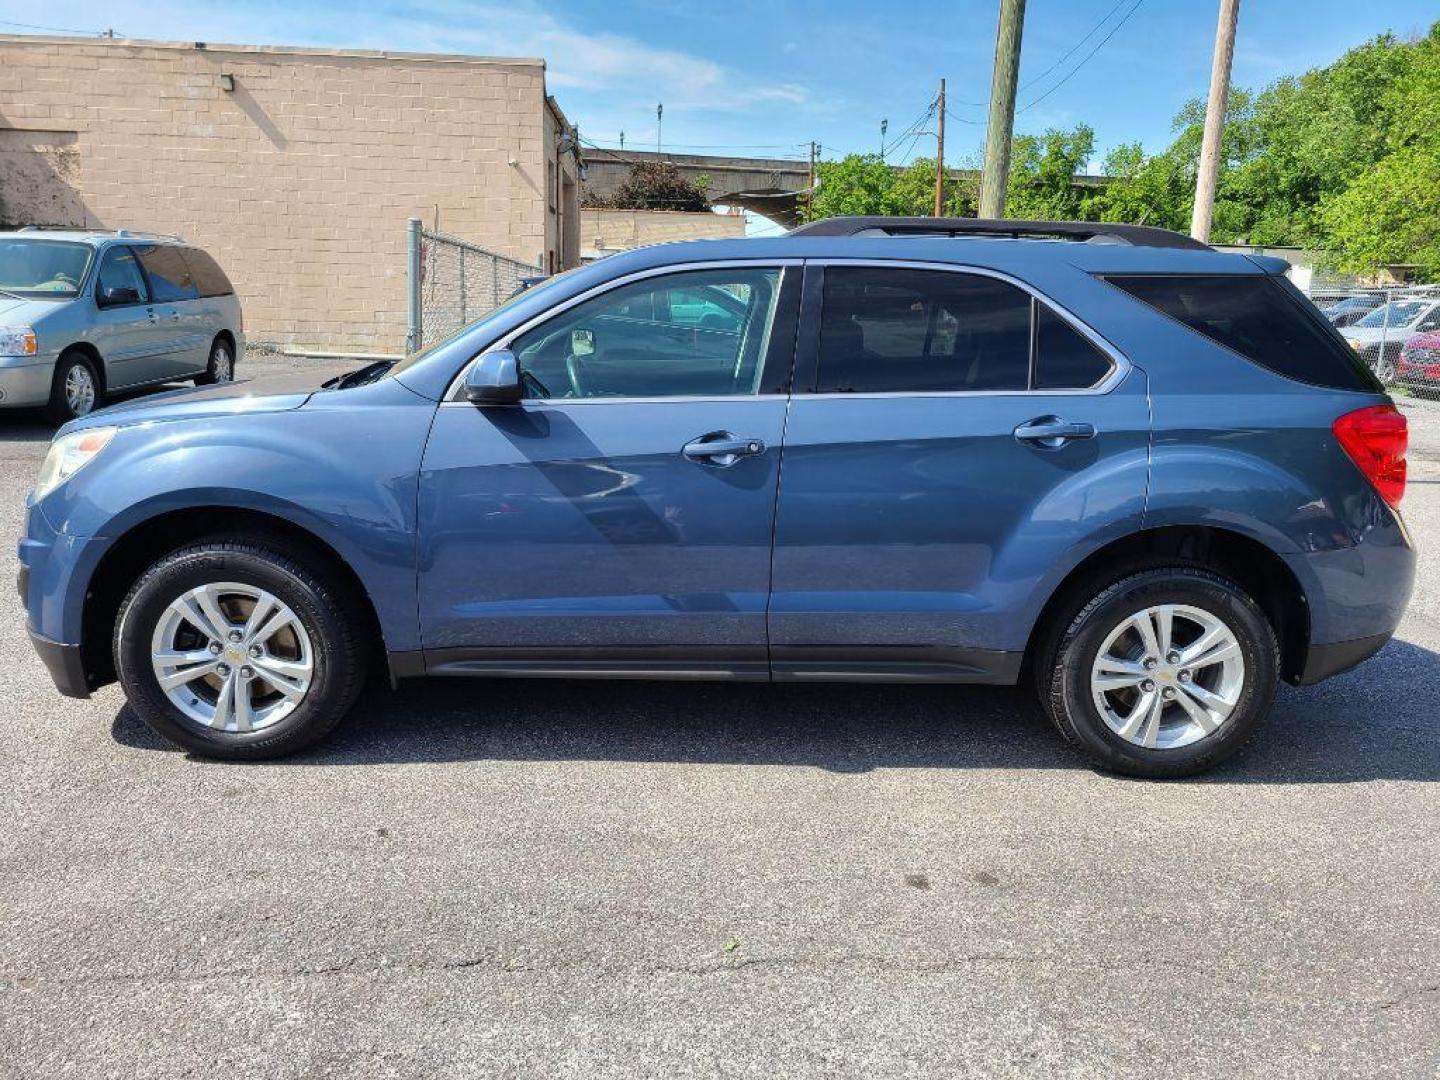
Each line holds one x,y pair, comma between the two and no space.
1092,232
143,233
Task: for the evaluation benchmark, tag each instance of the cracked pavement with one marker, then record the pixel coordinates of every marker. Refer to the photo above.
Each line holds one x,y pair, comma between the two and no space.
627,879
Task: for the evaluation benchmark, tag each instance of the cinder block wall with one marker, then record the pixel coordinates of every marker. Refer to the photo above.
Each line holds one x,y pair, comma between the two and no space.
299,180
620,230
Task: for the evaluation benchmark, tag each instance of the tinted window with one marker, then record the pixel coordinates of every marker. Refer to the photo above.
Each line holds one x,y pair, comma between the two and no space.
1064,358
629,342
1264,319
120,270
209,278
168,274
893,329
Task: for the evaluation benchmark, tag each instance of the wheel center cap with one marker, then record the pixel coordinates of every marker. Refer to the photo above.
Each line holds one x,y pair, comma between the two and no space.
234,656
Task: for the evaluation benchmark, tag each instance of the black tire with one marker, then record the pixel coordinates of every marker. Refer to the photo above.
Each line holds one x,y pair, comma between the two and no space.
60,408
1063,670
221,353
330,618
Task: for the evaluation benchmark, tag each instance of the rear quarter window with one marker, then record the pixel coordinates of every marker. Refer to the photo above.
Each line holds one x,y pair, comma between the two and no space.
168,273
209,278
1263,318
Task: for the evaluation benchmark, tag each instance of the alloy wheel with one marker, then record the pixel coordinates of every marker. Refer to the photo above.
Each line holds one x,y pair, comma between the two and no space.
232,657
1168,676
79,390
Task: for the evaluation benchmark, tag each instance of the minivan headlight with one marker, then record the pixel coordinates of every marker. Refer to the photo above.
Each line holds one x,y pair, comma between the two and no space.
18,341
68,455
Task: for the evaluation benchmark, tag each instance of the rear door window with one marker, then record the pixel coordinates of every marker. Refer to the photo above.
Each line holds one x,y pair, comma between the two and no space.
898,330
210,280
168,273
1064,358
1265,319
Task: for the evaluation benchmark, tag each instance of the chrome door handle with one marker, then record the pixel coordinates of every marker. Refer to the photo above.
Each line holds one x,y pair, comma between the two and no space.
1052,432
721,448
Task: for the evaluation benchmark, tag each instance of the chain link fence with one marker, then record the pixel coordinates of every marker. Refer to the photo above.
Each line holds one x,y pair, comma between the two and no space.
1395,329
453,283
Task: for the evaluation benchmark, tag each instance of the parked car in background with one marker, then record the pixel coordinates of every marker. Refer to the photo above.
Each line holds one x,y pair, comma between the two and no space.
1380,335
84,314
1352,309
1144,475
1418,368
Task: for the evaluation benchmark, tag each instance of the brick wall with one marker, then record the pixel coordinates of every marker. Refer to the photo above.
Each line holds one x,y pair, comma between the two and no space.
603,231
300,179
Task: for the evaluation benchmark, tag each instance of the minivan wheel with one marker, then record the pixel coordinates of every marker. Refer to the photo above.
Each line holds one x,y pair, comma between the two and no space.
221,368
1164,673
75,389
238,651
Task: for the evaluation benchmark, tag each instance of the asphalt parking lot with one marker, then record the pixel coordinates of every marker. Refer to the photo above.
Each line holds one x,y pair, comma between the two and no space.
625,879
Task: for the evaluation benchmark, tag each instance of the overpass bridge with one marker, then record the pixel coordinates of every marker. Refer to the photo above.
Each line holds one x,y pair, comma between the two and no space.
771,187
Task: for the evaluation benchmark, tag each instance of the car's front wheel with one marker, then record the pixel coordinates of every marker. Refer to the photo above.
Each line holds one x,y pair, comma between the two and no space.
1163,673
76,388
239,650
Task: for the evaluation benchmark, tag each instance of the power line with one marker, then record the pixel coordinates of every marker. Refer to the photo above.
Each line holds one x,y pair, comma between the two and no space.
58,29
1114,30
1074,48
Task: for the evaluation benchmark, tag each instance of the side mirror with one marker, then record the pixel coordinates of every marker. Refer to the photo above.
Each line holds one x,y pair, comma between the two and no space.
582,342
112,295
494,379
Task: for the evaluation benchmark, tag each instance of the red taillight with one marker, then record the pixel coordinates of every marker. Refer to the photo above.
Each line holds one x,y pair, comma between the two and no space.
1376,438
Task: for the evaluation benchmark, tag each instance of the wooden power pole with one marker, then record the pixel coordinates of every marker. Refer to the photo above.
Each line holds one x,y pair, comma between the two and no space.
810,186
1209,172
940,157
996,177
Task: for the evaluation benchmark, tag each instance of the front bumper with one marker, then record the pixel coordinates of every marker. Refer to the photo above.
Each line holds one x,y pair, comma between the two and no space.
64,664
1322,661
25,381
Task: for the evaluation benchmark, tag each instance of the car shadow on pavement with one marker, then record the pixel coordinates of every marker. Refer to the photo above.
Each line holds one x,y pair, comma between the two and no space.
1379,721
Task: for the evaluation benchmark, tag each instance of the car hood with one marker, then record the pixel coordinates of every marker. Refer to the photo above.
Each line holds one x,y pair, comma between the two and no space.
278,393
16,311
1372,335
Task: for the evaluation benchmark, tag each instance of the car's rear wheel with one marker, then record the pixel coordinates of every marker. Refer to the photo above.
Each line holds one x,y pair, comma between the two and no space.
75,390
1163,673
239,650
221,367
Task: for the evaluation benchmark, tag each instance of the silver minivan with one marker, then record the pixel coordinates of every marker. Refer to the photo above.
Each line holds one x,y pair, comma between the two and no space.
85,313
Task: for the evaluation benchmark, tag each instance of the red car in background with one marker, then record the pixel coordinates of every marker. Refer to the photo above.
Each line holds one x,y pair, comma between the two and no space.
1418,366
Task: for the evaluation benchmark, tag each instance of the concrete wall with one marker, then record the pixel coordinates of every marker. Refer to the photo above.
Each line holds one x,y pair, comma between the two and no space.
300,179
604,232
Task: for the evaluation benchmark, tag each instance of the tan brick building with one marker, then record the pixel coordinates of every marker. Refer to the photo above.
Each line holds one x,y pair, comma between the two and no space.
604,231
296,168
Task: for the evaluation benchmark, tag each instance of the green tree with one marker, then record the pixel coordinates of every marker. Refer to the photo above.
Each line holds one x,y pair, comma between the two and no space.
655,185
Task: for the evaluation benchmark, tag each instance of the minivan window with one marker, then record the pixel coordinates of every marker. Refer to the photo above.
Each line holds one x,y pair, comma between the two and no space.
210,280
897,329
168,273
1265,319
43,269
120,281
628,342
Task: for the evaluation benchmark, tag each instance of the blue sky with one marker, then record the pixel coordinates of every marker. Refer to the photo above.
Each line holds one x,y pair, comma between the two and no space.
747,76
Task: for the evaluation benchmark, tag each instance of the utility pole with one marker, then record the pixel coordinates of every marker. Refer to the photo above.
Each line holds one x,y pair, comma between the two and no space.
622,142
996,177
810,185
884,127
1209,172
940,157
659,120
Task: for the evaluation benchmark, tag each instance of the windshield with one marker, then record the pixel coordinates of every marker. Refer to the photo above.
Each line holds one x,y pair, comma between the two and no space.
1400,313
525,294
43,269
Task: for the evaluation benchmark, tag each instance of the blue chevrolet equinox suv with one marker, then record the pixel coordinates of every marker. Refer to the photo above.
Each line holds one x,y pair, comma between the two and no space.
1145,476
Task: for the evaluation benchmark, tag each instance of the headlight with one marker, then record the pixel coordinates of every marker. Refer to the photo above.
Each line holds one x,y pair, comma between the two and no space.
70,454
1354,344
18,341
